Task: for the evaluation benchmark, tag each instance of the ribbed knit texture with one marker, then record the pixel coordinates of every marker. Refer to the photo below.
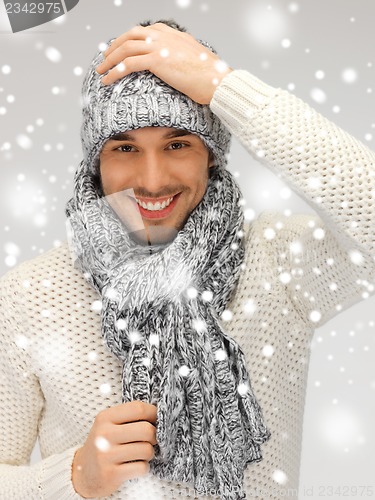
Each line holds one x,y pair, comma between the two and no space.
55,371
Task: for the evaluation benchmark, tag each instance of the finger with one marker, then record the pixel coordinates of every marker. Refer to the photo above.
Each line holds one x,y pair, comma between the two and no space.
167,29
163,27
131,412
131,452
136,33
130,65
126,49
133,469
131,432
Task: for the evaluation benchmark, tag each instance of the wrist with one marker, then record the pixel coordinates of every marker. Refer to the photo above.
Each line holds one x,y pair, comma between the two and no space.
77,475
216,81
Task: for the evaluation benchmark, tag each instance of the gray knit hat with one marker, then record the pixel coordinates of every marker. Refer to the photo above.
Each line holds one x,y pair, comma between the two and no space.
143,100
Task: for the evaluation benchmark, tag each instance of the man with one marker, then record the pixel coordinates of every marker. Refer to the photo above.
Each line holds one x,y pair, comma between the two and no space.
193,303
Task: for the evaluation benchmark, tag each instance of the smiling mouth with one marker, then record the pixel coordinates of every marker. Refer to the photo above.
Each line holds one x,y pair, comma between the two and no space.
159,205
156,210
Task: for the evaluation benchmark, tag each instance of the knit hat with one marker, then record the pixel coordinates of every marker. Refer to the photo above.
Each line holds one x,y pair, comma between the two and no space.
143,100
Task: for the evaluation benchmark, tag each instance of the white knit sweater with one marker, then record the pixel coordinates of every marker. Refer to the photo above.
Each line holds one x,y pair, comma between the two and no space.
56,374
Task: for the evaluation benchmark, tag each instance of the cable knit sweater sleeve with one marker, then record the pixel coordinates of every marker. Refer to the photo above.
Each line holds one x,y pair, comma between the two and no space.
21,406
327,262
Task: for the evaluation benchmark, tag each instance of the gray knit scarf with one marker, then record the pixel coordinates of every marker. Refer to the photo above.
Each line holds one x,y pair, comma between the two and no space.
161,316
174,349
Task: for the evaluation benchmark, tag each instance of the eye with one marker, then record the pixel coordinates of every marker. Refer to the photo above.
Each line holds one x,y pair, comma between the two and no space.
177,145
125,148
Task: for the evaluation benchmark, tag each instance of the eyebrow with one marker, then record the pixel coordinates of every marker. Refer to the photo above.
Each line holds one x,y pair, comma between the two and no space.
178,132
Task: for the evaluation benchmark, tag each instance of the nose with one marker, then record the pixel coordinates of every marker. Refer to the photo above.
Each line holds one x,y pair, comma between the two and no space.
153,175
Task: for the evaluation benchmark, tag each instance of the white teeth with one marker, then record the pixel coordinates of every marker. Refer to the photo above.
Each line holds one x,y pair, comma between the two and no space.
150,206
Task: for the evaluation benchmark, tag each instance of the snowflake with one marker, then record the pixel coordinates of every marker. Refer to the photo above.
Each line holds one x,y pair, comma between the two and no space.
221,355
154,339
135,336
269,233
314,182
349,75
191,292
121,324
250,306
227,315
120,67
207,295
184,371
266,26
24,141
315,316
92,356
249,214
279,476
293,7
146,361
356,257
319,233
285,278
105,388
53,54
183,4
221,66
318,95
22,342
243,388
102,444
164,53
268,351
96,305
286,43
199,325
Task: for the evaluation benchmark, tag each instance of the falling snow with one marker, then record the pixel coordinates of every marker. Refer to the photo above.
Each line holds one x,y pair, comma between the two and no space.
318,95
315,316
6,69
279,476
53,54
349,75
24,141
102,444
243,388
268,351
266,27
227,315
184,371
105,389
183,4
220,355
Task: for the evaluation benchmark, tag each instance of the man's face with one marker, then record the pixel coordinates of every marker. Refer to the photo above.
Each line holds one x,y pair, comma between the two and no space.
154,164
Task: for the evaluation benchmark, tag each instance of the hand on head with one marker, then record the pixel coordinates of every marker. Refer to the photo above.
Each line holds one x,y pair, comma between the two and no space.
172,55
